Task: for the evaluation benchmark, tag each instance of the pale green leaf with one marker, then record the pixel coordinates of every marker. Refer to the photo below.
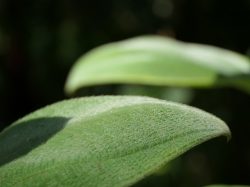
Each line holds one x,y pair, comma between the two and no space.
155,60
101,141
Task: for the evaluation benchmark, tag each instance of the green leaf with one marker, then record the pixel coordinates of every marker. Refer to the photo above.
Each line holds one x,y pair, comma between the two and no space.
155,60
101,141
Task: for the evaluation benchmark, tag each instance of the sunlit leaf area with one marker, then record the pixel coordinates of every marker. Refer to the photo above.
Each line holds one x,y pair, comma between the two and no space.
121,93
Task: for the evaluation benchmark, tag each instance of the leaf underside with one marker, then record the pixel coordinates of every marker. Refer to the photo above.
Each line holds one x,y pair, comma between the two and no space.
160,61
100,141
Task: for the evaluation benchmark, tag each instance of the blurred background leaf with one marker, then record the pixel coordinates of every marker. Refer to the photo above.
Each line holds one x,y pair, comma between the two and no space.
40,41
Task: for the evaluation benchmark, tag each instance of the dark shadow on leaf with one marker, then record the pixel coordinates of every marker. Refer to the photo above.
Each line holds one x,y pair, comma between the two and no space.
26,136
240,81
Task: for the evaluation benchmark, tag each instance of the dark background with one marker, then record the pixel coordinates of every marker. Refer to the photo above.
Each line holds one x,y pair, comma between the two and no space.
41,39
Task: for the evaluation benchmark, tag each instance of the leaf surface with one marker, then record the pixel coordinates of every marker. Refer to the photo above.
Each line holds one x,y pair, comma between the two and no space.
101,141
156,60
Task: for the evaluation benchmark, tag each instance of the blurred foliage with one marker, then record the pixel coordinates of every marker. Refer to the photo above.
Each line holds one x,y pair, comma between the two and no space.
40,40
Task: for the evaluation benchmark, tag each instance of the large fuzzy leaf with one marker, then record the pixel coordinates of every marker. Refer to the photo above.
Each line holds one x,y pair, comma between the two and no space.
100,141
155,60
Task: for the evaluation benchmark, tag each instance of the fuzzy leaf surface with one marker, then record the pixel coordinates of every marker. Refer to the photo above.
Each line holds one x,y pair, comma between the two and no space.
101,141
155,60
